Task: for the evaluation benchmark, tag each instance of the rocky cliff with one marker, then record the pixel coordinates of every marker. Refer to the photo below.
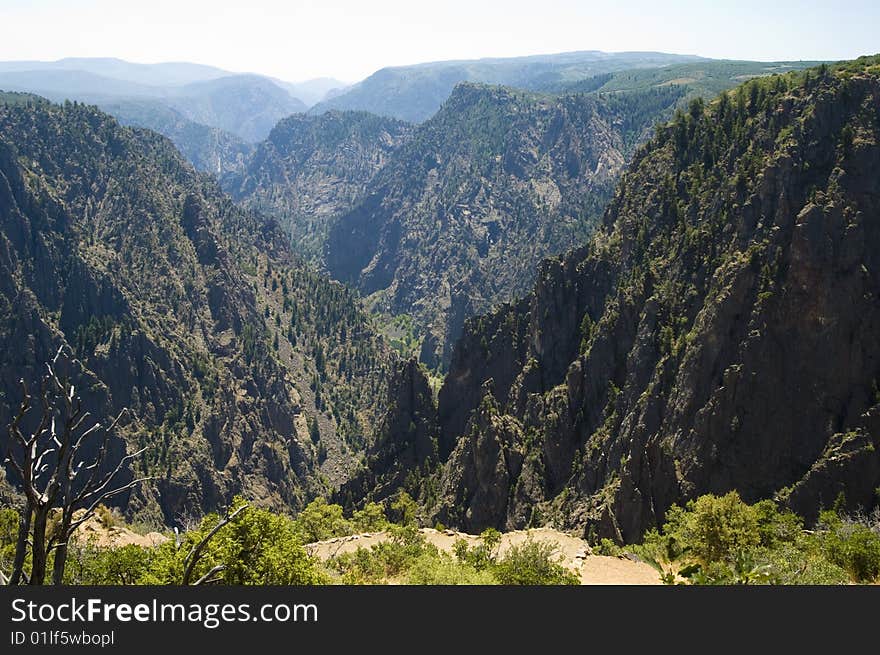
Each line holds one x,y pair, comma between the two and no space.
244,371
461,215
312,168
720,331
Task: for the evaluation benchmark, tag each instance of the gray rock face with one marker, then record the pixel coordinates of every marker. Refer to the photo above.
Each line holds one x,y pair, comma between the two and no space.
721,331
311,169
407,442
161,288
490,459
463,212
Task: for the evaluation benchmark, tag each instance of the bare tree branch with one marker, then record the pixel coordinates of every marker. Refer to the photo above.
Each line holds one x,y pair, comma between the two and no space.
89,491
48,464
94,506
207,578
192,559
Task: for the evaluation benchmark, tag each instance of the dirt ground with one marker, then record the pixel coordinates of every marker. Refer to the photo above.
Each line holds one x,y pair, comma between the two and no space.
94,532
575,553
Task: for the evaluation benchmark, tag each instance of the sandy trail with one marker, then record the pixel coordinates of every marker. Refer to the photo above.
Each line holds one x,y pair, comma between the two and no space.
575,553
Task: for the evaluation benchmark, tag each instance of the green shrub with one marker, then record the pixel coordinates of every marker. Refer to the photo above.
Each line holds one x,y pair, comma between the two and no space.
715,528
776,525
319,521
105,516
532,563
852,546
608,548
370,519
8,538
722,540
657,546
803,563
360,567
256,548
491,539
386,560
481,556
125,565
405,509
441,569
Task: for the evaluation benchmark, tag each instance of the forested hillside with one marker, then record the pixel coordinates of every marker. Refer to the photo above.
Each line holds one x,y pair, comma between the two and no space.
244,371
312,168
464,211
208,149
720,331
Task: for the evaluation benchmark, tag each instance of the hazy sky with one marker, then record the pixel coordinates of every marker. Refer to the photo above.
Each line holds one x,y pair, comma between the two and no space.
297,39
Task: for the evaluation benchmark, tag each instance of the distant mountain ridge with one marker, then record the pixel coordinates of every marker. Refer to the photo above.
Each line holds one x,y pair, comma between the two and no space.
314,91
162,74
414,93
248,106
243,104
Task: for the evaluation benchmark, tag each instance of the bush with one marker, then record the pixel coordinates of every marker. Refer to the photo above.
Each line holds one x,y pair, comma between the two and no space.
482,556
319,521
532,563
777,526
363,566
852,546
257,548
715,528
125,565
387,559
608,548
405,509
441,569
262,548
370,519
803,563
722,540
105,516
8,538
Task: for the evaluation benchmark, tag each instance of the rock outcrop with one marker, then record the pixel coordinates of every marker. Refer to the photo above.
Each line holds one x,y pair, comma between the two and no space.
721,330
464,211
181,307
311,169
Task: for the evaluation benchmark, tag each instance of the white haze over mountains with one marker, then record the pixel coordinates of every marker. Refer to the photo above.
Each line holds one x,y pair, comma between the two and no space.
245,105
168,74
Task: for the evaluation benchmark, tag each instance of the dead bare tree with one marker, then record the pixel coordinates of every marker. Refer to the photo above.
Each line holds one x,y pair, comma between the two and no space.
54,475
196,553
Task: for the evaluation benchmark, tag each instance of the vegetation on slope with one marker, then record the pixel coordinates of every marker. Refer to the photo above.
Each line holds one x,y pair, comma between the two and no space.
647,368
722,540
179,306
461,214
310,169
208,149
